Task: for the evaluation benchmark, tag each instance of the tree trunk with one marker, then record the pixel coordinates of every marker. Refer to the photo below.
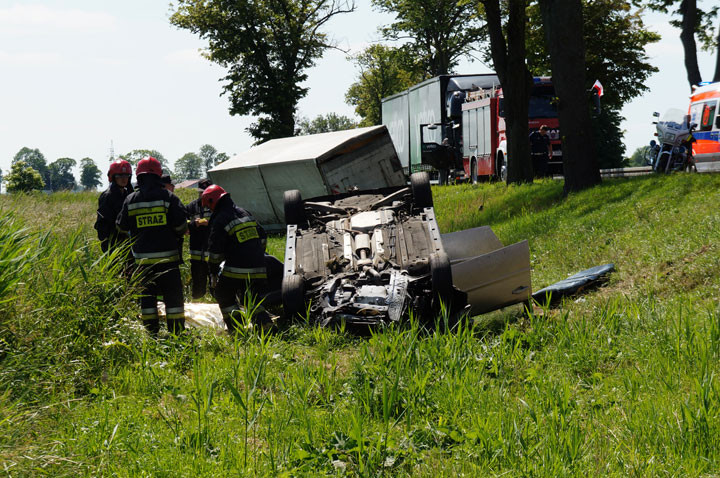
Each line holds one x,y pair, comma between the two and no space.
509,62
716,76
688,9
562,21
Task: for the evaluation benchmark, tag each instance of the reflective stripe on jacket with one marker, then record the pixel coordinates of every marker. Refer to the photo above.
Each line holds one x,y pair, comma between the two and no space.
155,219
237,239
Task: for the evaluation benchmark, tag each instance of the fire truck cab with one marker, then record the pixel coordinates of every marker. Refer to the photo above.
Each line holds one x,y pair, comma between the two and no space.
704,113
484,138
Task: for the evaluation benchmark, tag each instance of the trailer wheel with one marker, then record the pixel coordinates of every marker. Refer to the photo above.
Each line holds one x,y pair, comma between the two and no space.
473,171
293,297
293,205
441,277
420,185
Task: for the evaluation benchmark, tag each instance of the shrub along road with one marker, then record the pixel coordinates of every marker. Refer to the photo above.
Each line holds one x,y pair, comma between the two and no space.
623,381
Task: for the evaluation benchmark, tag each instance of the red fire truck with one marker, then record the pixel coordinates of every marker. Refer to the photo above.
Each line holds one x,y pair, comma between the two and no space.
483,132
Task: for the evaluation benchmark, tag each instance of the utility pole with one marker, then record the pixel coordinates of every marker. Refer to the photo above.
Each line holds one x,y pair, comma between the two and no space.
112,151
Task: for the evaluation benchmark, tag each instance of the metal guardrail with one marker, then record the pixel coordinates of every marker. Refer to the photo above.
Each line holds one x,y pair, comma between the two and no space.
625,172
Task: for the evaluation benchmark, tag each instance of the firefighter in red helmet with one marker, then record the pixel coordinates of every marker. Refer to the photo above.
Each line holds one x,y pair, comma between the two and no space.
155,219
110,203
239,241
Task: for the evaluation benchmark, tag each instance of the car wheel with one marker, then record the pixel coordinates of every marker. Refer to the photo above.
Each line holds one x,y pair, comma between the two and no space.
441,276
293,205
473,172
293,297
420,185
501,168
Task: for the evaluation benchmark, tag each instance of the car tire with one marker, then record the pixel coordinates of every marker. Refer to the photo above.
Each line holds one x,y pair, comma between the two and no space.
501,168
441,277
292,293
293,206
420,185
473,172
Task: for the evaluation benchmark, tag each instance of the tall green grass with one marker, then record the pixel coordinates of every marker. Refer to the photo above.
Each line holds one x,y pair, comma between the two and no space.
620,382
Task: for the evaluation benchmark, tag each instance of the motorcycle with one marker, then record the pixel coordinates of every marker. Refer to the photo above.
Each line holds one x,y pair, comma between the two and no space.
673,150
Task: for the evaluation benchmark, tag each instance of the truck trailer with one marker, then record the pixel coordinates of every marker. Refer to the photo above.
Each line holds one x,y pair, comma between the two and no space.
455,124
424,121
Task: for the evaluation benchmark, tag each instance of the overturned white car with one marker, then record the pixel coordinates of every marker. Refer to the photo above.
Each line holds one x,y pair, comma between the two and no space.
369,257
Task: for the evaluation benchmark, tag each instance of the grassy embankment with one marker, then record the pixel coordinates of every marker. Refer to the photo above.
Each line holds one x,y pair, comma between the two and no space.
623,381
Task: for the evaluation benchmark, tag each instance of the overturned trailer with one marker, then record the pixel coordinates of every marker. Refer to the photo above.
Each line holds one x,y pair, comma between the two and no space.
368,257
316,165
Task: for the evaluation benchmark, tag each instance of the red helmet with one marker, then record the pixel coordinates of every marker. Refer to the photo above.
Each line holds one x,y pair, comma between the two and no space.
148,165
119,167
211,195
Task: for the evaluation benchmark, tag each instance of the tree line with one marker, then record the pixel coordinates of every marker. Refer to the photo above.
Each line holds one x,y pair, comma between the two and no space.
31,171
268,46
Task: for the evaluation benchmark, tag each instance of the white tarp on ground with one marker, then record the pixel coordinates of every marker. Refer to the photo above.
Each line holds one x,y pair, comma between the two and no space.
317,165
200,315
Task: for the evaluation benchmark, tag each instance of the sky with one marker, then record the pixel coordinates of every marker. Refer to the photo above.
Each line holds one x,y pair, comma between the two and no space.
81,75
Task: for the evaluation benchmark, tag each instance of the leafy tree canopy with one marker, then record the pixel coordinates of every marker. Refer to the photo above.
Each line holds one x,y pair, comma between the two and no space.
137,154
61,176
384,71
23,178
36,160
706,15
267,47
210,157
615,41
440,32
190,166
90,174
324,124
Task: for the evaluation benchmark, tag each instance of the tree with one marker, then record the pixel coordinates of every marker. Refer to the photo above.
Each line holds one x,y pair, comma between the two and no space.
36,160
190,166
208,154
693,20
567,58
90,174
384,71
639,157
509,60
615,39
441,32
324,124
211,157
267,47
61,176
23,178
137,154
221,158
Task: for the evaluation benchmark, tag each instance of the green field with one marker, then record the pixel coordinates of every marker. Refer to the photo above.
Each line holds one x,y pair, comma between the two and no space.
620,382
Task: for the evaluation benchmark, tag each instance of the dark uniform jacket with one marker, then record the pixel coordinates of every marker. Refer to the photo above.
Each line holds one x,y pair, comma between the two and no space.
198,234
110,203
237,239
155,220
539,144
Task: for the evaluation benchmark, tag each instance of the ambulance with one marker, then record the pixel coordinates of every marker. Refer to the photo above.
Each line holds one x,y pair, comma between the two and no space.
704,113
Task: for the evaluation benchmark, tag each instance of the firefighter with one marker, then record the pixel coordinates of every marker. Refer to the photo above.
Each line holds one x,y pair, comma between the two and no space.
167,183
541,151
198,218
109,205
238,240
155,219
